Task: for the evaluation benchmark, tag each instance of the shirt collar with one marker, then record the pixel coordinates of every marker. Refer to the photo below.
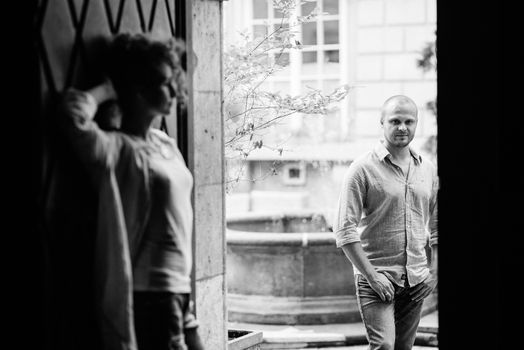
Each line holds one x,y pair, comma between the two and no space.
382,152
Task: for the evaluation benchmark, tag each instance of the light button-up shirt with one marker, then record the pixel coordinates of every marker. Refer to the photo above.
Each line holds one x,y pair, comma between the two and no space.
392,215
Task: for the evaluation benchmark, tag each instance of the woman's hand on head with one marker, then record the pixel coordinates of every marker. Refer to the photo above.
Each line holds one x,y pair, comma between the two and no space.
78,104
103,92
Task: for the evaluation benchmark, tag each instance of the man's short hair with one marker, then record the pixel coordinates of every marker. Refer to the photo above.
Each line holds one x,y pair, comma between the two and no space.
399,100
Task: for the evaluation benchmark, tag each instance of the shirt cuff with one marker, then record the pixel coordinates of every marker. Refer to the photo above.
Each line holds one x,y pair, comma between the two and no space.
346,237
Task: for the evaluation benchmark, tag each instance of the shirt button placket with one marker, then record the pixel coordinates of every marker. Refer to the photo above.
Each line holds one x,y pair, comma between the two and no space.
408,228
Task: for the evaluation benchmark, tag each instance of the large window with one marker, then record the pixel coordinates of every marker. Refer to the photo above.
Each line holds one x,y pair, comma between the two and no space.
317,64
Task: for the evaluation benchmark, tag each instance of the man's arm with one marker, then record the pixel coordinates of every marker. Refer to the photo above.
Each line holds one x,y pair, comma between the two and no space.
350,208
377,281
425,288
434,260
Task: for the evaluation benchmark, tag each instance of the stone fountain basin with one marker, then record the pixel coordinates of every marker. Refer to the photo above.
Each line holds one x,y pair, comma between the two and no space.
276,275
284,268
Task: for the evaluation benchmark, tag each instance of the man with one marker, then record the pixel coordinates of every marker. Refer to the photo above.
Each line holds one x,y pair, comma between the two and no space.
387,214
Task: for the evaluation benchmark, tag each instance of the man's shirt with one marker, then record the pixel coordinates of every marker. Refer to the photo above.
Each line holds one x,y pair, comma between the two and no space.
394,217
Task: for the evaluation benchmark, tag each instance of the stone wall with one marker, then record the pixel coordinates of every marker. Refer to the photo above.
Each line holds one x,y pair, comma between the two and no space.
206,163
388,37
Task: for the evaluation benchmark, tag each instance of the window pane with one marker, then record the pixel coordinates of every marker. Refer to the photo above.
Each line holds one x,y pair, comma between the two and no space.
294,173
259,8
309,62
331,56
309,57
283,71
331,62
277,13
309,33
282,59
331,6
259,31
285,27
307,7
331,32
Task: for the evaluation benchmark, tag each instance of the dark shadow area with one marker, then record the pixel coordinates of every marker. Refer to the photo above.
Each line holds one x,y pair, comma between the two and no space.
22,247
479,141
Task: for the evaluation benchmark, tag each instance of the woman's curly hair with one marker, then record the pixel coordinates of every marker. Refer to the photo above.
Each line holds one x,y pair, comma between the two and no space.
132,59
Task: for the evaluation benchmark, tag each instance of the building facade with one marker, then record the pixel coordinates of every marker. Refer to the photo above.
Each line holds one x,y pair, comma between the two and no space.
371,45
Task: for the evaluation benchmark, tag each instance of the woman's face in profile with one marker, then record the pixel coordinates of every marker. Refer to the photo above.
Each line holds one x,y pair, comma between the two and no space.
161,94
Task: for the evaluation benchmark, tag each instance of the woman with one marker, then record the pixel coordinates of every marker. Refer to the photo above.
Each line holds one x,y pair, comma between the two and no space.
144,214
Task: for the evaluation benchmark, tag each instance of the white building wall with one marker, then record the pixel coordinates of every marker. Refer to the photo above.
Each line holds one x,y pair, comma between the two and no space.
390,35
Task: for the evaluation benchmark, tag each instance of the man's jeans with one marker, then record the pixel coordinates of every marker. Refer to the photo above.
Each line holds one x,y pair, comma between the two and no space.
389,325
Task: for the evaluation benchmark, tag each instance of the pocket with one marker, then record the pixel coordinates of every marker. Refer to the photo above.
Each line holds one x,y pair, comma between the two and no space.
365,294
363,287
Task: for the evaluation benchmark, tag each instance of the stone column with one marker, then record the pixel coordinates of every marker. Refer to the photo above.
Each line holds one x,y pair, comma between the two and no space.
206,161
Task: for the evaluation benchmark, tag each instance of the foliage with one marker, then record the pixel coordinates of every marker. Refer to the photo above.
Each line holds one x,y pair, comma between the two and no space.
428,62
428,59
251,110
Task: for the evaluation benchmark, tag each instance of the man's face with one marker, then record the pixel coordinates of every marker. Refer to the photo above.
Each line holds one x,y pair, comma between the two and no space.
399,124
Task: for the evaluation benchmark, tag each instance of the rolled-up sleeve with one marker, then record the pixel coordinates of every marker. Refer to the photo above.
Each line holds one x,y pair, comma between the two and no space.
350,206
95,147
433,213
